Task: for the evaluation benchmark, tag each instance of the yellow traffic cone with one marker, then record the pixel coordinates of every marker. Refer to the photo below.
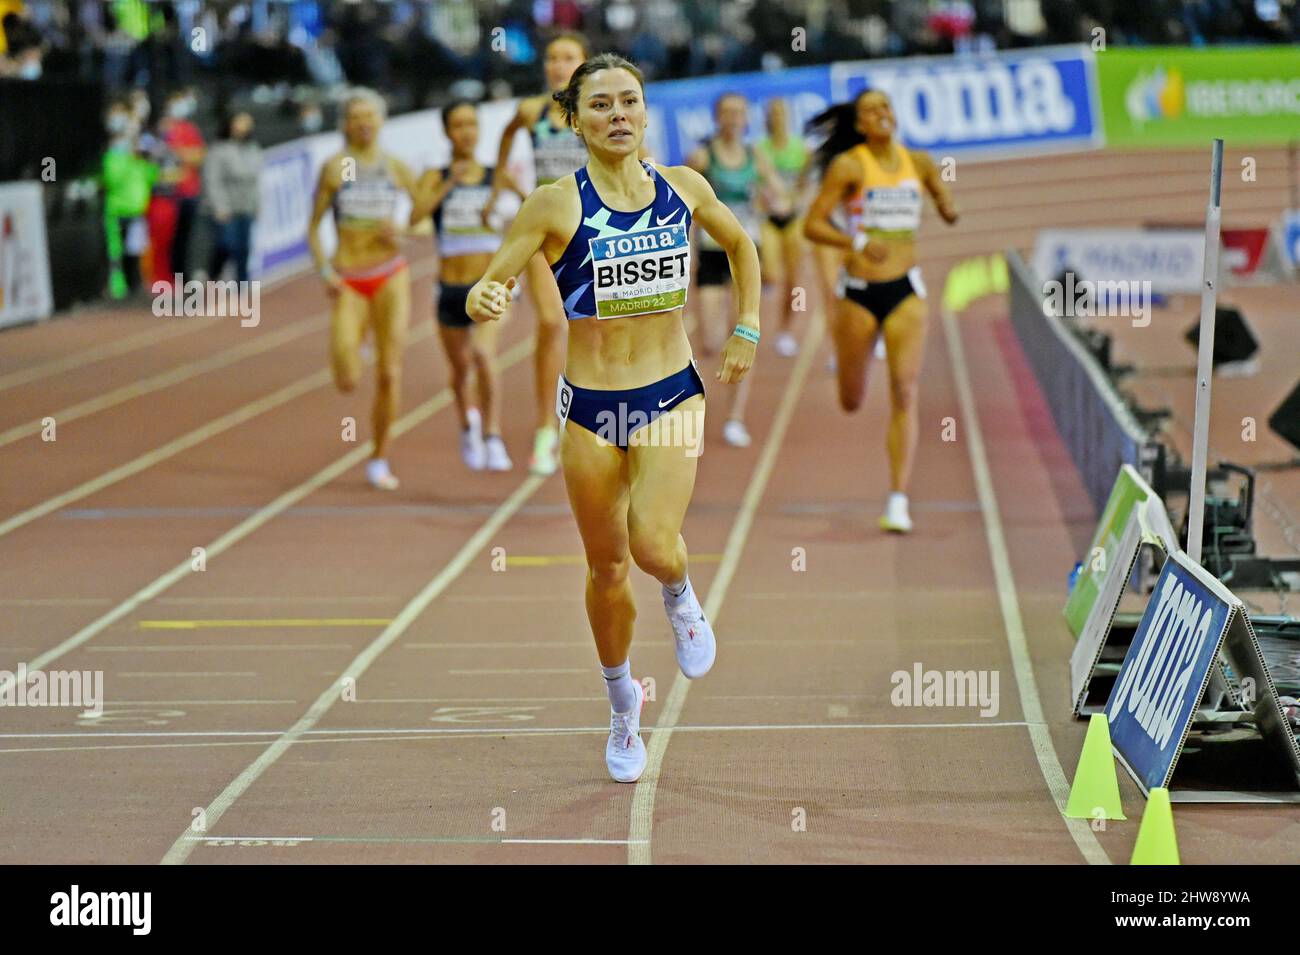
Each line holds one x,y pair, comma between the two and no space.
1156,842
1095,792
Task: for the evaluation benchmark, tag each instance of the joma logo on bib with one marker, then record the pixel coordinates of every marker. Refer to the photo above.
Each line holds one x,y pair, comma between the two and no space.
639,273
1154,689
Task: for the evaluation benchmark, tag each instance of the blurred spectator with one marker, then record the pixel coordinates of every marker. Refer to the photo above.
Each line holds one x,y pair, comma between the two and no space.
23,48
126,175
230,178
176,198
310,118
273,53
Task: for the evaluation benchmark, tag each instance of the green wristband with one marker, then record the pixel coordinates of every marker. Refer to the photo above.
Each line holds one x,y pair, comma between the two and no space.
747,333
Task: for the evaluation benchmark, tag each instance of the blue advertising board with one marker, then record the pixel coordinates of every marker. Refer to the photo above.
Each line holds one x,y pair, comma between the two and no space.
1009,102
1022,101
1166,669
681,111
287,190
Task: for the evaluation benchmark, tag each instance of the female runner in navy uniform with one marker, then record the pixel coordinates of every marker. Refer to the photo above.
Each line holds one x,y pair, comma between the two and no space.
457,197
615,237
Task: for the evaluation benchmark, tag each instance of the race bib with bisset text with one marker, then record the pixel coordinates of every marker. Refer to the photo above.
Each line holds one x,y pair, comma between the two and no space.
639,273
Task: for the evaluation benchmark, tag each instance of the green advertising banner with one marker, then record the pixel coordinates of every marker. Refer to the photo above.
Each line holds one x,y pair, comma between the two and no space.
1176,96
1129,491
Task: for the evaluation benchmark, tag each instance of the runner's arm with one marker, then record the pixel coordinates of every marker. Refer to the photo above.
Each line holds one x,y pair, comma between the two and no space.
326,187
839,178
490,296
935,185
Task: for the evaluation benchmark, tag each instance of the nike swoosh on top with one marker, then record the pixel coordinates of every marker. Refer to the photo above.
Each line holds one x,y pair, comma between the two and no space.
673,398
665,219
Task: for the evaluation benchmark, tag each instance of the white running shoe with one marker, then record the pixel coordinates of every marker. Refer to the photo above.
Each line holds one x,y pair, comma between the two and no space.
696,647
471,442
624,751
736,434
896,517
545,460
378,474
787,346
497,459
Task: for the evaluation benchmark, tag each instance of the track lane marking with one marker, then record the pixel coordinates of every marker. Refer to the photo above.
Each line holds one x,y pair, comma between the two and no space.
184,442
265,514
641,822
165,379
181,849
121,346
1013,624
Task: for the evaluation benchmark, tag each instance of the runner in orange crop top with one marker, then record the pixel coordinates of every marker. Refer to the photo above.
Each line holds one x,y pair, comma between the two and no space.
878,188
367,279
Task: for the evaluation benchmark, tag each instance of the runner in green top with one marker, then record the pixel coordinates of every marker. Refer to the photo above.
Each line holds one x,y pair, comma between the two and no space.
127,179
783,230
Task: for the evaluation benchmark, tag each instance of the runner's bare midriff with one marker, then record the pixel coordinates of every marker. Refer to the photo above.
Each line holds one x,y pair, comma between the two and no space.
614,354
361,249
464,269
900,258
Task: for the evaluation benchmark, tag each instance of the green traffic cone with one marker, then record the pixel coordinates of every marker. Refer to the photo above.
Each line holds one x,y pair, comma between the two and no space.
1095,792
1156,842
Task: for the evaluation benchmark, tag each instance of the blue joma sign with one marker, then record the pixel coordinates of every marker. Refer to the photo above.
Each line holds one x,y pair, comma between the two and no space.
1166,669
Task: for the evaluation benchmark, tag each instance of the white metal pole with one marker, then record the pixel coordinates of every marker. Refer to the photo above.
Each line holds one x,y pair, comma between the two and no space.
1205,360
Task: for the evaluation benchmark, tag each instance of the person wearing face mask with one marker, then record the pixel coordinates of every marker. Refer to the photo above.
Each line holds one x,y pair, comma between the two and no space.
310,119
126,177
176,200
230,177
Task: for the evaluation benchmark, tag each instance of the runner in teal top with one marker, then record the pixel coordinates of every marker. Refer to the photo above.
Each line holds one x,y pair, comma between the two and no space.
746,182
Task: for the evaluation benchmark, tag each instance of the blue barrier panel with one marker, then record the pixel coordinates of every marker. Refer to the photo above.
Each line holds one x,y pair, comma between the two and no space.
1166,669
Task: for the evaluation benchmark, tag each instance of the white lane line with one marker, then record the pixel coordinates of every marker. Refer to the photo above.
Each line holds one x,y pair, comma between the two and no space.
1021,662
116,703
499,645
183,443
250,524
96,353
573,645
515,730
519,672
214,744
172,448
173,376
565,842
151,675
409,840
211,647
180,849
171,328
53,601
641,822
314,600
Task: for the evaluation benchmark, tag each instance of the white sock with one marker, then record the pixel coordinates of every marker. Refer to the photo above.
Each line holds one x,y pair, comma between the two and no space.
677,590
377,467
618,682
898,498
